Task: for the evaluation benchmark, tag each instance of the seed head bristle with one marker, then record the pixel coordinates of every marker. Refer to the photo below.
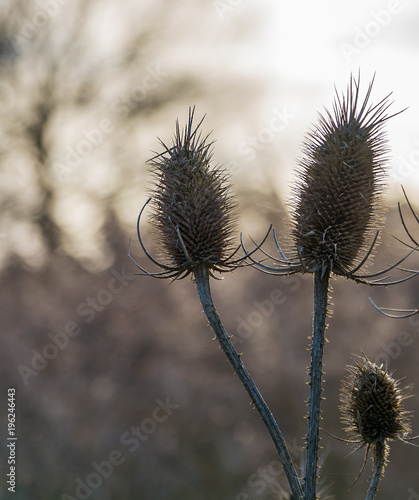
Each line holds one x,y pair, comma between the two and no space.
337,208
372,404
194,212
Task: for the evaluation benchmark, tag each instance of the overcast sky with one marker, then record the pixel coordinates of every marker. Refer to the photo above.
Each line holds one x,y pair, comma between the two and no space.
305,48
314,45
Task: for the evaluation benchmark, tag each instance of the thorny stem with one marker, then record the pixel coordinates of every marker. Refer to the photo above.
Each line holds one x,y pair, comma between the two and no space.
321,287
379,464
202,283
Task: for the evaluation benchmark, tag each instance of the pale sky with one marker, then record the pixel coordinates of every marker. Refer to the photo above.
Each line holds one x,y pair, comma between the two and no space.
316,45
305,49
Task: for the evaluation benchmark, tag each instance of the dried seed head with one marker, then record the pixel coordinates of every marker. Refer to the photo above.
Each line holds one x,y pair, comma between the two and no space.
337,208
193,210
371,404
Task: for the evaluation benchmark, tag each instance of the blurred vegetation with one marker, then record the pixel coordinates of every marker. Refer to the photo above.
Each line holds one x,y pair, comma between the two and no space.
94,71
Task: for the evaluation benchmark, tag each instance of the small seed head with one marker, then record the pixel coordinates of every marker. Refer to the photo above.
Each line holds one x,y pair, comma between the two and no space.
372,404
194,212
337,208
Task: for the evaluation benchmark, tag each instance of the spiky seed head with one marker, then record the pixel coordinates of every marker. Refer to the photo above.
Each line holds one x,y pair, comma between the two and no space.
336,207
372,404
194,212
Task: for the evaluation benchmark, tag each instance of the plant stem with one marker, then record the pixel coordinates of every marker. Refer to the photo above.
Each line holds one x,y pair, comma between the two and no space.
379,464
321,287
202,283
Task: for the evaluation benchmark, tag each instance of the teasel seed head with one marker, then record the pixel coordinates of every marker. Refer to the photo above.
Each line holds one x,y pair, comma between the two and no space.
337,208
194,214
372,404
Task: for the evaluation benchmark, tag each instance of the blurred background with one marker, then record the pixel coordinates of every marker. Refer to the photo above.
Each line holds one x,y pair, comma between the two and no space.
121,391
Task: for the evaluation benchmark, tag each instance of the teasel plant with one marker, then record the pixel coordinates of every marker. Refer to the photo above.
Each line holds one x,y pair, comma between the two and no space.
373,414
194,220
337,216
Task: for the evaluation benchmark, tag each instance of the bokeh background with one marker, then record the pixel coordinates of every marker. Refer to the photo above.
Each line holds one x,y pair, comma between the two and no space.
86,87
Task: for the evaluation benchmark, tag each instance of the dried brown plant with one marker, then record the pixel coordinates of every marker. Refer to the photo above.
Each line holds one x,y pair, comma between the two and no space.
337,215
194,213
337,210
373,413
194,220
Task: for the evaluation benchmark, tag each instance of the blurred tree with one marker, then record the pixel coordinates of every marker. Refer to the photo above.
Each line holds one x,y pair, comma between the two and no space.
80,84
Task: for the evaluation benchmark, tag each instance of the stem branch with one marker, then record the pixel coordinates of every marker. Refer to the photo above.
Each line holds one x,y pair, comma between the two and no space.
202,283
379,464
321,287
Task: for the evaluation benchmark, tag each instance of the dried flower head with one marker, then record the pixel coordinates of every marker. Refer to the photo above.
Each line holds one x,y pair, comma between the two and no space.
372,404
373,413
194,212
336,208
